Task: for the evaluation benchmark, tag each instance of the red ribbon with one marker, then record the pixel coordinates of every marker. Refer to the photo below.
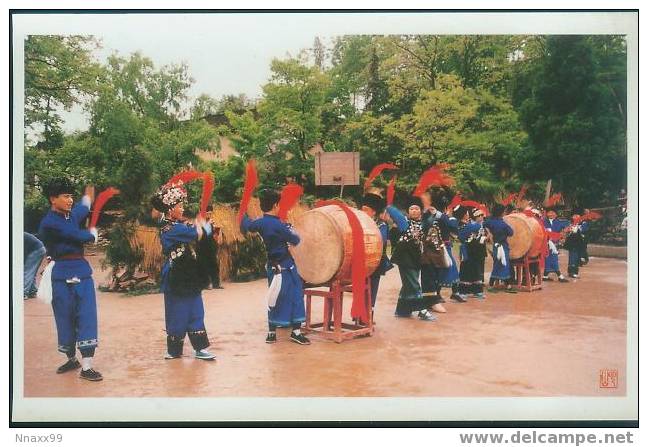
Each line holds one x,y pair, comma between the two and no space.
251,182
102,198
290,195
208,189
358,266
391,191
375,172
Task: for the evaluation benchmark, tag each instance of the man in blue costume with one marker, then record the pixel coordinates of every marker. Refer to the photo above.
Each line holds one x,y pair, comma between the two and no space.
407,255
554,227
182,280
500,232
73,292
286,293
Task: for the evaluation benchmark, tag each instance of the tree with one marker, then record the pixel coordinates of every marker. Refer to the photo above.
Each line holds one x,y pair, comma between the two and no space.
59,73
571,100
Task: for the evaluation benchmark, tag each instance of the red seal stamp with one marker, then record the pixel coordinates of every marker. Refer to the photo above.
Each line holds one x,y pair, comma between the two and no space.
609,378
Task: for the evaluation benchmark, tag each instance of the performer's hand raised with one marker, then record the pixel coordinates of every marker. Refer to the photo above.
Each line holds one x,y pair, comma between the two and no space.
90,192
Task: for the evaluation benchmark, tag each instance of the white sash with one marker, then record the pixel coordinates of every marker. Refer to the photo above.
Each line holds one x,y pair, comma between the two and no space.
501,256
44,293
273,291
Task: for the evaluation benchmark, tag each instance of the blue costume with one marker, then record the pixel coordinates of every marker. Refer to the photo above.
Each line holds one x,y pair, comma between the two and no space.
473,252
73,292
551,262
574,244
385,264
407,255
181,284
34,252
500,231
433,278
288,309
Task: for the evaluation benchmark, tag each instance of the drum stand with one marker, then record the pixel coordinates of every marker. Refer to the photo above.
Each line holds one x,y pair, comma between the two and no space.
332,326
523,273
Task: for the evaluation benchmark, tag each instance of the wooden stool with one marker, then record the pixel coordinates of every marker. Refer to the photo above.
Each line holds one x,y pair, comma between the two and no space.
333,305
523,273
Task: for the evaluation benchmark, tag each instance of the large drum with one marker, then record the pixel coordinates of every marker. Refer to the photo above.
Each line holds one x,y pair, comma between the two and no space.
528,236
326,246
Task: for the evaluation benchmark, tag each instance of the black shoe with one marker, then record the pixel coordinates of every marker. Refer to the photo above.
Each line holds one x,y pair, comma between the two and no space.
458,298
441,300
68,366
510,290
272,337
301,339
91,375
218,287
563,280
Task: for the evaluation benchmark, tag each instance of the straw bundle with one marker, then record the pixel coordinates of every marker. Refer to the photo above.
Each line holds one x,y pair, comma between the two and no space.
147,240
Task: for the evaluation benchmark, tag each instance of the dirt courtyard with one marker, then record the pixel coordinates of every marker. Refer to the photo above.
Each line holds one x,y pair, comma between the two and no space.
552,342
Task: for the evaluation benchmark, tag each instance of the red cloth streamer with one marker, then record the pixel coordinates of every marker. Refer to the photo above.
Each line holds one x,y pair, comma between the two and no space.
436,176
554,235
510,198
391,191
101,200
208,189
522,192
456,200
473,204
358,266
185,177
375,172
592,215
290,195
551,201
251,182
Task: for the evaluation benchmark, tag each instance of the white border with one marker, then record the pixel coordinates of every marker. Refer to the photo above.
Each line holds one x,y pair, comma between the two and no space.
231,409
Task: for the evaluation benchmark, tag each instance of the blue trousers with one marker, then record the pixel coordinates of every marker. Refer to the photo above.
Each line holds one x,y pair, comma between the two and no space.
375,283
75,312
499,270
32,262
183,314
289,308
551,264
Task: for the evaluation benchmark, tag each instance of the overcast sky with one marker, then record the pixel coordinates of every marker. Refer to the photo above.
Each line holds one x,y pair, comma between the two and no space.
231,53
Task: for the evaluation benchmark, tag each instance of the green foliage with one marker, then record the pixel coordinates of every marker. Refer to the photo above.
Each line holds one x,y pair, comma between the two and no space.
59,73
571,100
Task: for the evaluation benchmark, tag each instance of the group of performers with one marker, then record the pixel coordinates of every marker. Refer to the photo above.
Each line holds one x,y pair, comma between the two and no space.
422,247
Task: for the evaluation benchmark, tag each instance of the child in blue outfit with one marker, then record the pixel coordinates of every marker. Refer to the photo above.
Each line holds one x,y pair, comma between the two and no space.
73,293
286,293
473,252
181,279
500,231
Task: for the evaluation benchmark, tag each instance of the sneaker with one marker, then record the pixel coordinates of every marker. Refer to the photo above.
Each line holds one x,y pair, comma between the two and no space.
545,277
427,316
168,356
493,290
479,296
204,354
218,287
91,375
510,290
300,339
438,307
458,298
573,275
68,366
563,279
272,337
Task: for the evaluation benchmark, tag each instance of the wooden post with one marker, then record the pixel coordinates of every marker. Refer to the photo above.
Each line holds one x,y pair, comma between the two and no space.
548,190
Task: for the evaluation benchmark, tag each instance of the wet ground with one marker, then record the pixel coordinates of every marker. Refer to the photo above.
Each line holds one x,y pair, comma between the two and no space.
552,342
